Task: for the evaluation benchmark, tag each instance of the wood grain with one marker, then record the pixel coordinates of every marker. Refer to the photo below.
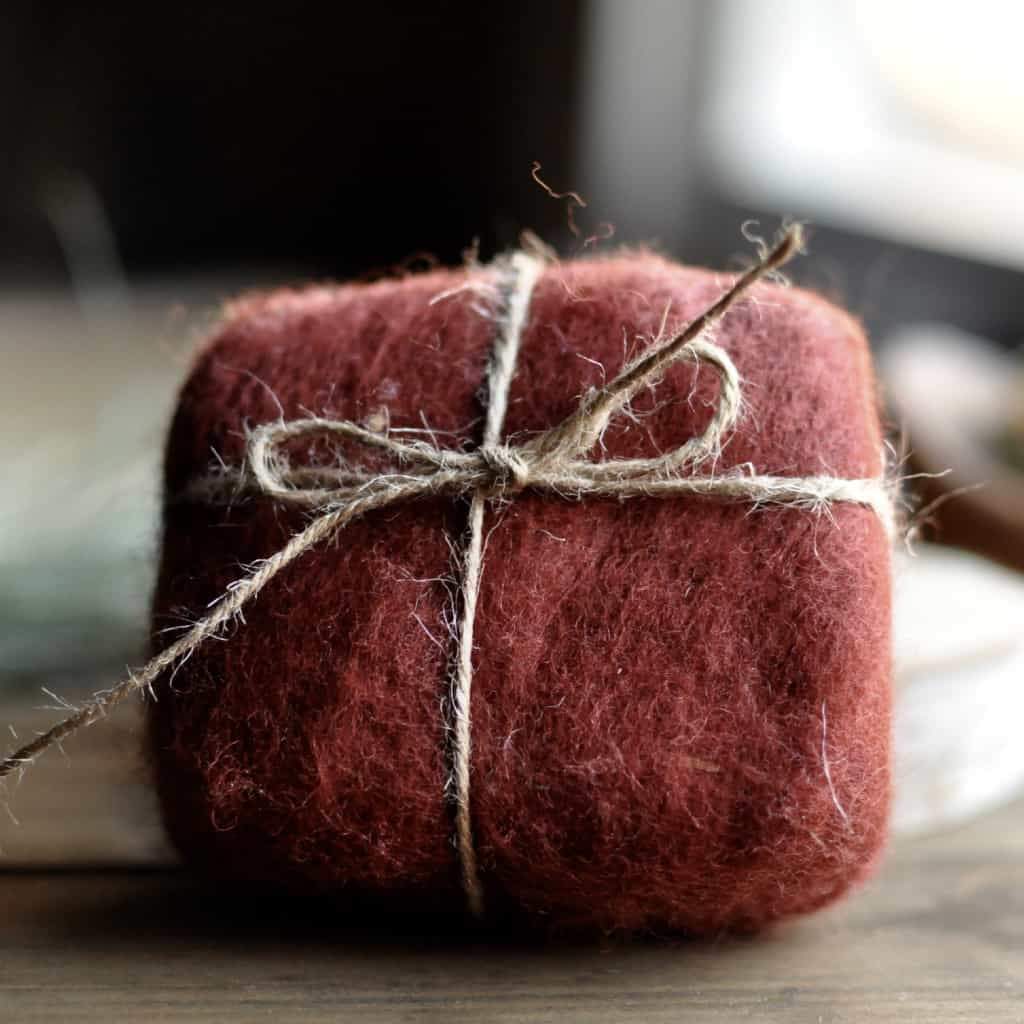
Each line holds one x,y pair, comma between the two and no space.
87,805
937,936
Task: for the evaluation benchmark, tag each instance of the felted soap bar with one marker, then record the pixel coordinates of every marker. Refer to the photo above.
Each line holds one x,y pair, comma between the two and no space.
680,707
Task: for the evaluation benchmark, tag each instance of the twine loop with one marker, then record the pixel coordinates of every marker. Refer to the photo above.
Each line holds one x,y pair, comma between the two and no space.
560,459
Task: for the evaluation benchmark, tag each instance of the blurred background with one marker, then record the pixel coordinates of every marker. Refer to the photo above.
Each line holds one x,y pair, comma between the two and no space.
157,160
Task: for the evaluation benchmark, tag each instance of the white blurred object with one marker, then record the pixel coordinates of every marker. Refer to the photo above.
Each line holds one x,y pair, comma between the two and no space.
956,393
959,400
904,121
956,65
959,669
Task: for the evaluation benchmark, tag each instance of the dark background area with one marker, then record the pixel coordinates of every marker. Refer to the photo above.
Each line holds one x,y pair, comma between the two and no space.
333,138
336,140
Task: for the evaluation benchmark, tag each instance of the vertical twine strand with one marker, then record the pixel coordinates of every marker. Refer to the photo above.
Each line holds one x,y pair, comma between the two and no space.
516,288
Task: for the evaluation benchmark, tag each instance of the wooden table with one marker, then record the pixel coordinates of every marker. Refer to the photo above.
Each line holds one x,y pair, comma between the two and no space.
98,925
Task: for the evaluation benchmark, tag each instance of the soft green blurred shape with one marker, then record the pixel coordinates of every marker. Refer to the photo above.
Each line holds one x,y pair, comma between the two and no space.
83,407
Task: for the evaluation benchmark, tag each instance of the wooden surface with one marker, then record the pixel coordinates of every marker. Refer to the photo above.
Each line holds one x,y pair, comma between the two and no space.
117,934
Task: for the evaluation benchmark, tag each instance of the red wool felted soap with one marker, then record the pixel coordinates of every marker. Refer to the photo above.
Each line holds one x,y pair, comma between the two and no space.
680,707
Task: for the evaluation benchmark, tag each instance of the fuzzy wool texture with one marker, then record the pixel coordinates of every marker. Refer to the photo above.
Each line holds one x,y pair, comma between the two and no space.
680,708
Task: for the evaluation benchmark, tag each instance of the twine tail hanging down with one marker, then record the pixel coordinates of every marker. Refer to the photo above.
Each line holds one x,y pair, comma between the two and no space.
556,461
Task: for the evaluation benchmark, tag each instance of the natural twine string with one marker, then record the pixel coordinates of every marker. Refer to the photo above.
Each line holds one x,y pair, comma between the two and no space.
556,461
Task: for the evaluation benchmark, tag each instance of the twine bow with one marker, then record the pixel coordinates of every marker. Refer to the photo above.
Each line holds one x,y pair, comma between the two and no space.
555,460
558,461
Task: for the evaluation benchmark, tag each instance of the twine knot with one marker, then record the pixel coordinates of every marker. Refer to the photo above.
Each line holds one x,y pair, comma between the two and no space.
510,471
